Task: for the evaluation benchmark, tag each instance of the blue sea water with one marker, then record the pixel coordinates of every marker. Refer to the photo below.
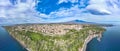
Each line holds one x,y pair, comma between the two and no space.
7,43
109,42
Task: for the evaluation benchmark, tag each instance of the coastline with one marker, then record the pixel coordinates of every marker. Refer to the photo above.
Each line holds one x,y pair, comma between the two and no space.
87,40
20,42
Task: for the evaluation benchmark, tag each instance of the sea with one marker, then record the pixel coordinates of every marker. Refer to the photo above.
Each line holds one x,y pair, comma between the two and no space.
109,42
8,43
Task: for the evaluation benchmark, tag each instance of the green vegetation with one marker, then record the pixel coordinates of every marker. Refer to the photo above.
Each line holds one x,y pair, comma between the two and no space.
71,41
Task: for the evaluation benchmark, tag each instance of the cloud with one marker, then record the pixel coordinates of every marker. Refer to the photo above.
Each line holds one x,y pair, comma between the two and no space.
104,6
61,1
63,13
98,7
65,1
99,11
105,13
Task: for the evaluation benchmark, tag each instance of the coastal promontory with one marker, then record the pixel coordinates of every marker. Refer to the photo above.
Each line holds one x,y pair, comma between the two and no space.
55,37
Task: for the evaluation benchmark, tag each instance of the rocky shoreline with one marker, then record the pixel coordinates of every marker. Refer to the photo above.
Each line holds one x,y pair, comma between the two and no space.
20,42
86,41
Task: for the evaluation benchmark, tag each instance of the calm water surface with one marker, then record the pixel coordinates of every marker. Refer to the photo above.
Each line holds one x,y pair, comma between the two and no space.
109,42
7,43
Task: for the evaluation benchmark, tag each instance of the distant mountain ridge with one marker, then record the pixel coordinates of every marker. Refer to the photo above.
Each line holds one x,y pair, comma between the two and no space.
80,22
85,22
77,21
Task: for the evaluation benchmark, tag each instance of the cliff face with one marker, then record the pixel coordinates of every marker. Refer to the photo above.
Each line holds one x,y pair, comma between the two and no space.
55,37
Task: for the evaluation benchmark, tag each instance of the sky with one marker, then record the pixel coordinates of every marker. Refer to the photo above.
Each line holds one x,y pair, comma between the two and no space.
53,11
